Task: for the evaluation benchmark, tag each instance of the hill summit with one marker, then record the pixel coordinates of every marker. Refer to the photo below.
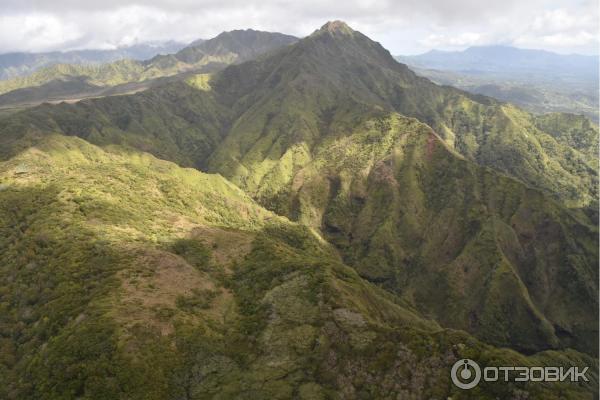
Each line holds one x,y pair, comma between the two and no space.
337,27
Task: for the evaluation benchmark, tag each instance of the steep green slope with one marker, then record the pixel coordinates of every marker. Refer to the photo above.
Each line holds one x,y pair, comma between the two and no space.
57,89
336,75
315,133
124,276
575,131
73,219
316,140
475,250
103,74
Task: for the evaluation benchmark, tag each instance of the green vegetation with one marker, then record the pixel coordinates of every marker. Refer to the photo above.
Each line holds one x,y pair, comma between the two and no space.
575,131
76,220
95,306
358,235
175,122
194,252
409,214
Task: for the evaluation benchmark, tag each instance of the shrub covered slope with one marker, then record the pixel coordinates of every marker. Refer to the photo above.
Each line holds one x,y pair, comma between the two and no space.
358,231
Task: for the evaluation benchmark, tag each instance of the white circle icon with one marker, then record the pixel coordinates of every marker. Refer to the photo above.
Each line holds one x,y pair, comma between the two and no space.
465,374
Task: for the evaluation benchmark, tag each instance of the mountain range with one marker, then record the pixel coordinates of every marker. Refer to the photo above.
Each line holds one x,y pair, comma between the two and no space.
537,80
75,81
13,65
544,65
312,221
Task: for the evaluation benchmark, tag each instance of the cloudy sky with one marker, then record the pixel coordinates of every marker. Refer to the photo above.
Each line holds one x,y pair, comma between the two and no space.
402,26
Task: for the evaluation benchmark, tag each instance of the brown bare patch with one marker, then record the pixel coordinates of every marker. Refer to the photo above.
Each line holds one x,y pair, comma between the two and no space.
431,141
383,172
151,286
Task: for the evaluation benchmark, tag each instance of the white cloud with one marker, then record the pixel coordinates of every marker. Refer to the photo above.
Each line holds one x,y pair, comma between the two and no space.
559,40
35,31
563,30
559,29
560,20
406,26
464,39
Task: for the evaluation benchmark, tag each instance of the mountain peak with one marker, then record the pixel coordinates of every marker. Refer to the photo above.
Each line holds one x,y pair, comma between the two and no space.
337,26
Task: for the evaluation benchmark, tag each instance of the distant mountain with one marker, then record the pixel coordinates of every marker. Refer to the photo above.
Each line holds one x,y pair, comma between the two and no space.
224,49
508,61
200,56
235,46
13,65
538,80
